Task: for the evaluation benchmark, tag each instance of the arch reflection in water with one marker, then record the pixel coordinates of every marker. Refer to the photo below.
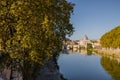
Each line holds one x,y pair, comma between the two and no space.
81,51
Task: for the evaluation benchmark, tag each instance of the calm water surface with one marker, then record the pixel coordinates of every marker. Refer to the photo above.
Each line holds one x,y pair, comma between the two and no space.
77,66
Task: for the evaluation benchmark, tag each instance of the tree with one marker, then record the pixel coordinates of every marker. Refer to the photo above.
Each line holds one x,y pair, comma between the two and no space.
32,32
111,39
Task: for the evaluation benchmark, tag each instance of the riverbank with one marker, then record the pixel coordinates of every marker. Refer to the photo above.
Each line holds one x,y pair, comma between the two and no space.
50,71
109,52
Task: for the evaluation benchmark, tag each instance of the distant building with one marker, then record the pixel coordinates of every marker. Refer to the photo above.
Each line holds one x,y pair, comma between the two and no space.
84,41
96,44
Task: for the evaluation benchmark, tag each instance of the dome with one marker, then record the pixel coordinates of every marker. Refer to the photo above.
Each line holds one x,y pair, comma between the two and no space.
85,37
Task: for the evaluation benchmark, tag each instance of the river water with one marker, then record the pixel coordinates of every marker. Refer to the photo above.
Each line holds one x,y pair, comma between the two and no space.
84,66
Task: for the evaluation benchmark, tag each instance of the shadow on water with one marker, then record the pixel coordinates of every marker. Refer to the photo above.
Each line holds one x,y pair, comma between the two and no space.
55,59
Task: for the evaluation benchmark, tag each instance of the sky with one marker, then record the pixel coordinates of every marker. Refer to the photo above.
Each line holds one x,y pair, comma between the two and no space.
94,17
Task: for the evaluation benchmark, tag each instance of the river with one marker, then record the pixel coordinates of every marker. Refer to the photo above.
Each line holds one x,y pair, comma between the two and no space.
84,66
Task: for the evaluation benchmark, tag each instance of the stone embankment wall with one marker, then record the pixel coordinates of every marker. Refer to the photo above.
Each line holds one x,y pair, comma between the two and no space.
50,71
113,52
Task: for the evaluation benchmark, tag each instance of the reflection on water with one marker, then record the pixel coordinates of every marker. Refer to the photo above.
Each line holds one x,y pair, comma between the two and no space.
79,66
81,51
111,66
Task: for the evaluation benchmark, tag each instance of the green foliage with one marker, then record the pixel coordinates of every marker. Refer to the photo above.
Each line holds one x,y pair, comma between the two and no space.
111,38
89,49
89,46
32,31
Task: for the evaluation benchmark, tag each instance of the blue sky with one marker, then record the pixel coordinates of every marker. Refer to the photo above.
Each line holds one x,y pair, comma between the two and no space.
94,17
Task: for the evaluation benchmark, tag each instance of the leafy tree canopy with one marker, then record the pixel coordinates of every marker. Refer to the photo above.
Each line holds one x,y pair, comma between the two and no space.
111,39
32,31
